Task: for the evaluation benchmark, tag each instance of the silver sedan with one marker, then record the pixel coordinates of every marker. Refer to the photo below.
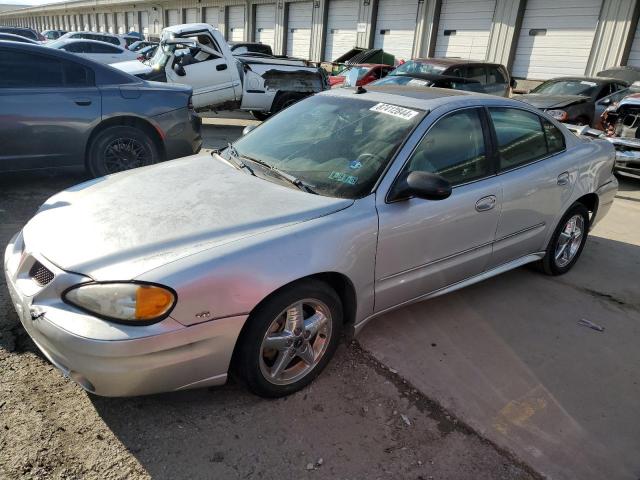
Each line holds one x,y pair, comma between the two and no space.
255,259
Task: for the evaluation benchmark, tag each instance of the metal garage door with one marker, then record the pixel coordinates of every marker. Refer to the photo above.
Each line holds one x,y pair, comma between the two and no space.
299,29
235,28
102,19
265,24
555,38
132,22
108,18
120,22
191,15
396,27
144,23
211,16
634,54
173,17
464,28
342,28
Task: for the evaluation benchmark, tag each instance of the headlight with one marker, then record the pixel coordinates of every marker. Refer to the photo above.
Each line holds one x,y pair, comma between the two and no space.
559,115
133,303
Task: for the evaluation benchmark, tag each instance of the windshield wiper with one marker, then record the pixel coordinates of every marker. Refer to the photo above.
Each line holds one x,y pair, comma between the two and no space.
295,181
236,160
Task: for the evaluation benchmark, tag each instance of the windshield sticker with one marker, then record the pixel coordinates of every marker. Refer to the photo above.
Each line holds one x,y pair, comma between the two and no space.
415,81
355,164
591,84
394,110
343,177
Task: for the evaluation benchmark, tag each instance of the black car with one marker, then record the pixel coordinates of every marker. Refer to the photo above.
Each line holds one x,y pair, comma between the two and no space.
60,110
10,37
53,34
572,99
470,75
23,32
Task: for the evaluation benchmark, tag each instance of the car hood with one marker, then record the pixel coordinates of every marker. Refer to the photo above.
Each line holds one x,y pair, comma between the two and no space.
540,100
133,67
120,226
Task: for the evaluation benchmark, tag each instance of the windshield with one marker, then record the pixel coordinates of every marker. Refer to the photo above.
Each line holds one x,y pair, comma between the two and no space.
163,53
338,146
412,66
567,87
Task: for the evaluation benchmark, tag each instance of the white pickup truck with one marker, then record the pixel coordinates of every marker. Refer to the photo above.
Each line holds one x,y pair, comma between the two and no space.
196,54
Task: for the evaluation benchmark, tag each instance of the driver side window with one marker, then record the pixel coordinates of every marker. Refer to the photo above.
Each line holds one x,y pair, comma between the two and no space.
453,148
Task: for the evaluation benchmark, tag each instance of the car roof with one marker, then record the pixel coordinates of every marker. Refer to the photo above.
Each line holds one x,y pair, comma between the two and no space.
189,27
450,61
19,37
585,79
106,34
67,41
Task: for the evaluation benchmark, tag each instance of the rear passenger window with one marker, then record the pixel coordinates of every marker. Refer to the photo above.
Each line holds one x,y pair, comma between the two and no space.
25,70
494,75
520,136
453,148
98,48
555,138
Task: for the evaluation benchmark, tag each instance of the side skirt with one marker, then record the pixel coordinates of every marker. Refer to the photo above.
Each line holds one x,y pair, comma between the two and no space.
505,267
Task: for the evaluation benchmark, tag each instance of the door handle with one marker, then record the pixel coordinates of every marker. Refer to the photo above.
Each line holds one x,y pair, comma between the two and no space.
563,179
486,203
83,102
222,66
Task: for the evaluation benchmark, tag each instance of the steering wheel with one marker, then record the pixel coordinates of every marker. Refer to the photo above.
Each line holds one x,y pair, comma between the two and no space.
364,156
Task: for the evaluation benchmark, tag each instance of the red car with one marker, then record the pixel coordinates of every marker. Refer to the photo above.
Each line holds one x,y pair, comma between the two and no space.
360,74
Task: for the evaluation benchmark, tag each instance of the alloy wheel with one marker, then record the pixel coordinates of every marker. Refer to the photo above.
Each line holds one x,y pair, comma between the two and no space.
295,342
569,241
124,153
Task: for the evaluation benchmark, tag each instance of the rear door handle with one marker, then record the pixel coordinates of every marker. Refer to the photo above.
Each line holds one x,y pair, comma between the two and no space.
222,66
486,203
563,179
83,102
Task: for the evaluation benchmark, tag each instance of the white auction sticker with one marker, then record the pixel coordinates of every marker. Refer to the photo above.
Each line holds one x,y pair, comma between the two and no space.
394,110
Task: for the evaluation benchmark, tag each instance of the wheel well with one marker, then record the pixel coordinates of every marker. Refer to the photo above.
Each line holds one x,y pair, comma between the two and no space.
590,201
127,121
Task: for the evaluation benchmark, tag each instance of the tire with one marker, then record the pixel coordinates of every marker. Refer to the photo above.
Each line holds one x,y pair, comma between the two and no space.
120,148
283,101
270,352
551,263
262,116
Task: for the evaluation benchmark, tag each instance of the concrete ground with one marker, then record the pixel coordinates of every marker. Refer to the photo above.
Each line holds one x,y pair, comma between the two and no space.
508,357
358,420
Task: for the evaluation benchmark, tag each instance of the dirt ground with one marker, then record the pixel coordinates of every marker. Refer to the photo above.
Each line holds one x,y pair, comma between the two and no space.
358,420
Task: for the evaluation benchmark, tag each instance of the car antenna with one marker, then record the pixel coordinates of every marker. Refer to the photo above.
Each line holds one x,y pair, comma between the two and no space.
360,89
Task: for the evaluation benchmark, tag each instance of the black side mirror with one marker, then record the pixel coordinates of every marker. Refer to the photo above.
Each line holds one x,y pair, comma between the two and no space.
428,186
179,69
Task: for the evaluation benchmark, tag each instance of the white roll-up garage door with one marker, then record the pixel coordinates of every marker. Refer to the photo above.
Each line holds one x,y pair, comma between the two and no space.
396,27
236,23
211,16
299,29
634,54
191,15
120,22
342,28
555,38
144,23
265,24
108,17
132,22
102,18
464,28
173,17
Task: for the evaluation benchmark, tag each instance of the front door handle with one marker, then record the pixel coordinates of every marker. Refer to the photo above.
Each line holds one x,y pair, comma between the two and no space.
222,66
486,203
83,102
563,179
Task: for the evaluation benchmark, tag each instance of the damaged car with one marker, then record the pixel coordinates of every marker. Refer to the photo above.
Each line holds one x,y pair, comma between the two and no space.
197,55
253,260
572,99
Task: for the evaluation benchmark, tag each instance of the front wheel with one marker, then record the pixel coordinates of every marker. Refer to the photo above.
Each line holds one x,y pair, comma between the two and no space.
118,148
567,241
289,339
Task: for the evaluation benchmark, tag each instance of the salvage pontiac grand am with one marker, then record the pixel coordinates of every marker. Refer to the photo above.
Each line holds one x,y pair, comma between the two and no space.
254,260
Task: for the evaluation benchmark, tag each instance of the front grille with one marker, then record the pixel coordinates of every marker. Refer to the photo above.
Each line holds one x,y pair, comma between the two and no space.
41,274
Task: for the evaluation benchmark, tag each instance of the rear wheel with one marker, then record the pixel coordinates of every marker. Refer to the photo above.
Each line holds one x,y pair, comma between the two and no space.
567,241
118,148
289,339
